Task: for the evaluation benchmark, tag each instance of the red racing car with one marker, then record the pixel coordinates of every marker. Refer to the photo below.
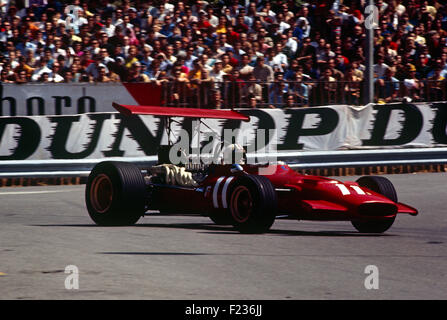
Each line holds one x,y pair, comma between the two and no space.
119,193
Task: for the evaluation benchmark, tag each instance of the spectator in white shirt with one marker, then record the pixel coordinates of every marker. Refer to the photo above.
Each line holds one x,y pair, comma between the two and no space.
169,7
212,19
58,49
217,74
380,67
290,44
109,27
282,24
41,69
54,75
118,18
280,59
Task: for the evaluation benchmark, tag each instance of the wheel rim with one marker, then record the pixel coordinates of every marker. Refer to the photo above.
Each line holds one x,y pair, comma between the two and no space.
101,193
241,204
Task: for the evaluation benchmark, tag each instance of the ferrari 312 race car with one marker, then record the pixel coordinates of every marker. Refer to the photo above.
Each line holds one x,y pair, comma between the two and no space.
119,193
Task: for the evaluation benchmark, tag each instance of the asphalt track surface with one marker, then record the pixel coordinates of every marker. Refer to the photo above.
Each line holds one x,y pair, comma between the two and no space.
45,229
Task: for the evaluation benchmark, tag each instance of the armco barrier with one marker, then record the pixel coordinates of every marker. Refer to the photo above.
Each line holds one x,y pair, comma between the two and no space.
367,158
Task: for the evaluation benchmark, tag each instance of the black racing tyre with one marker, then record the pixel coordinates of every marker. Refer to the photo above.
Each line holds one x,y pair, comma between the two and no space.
384,187
221,218
253,204
380,185
115,194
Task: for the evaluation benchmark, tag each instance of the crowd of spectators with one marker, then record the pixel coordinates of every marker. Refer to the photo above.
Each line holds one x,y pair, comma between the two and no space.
218,52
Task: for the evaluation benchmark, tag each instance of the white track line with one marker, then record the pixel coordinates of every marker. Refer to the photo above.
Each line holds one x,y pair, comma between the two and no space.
35,192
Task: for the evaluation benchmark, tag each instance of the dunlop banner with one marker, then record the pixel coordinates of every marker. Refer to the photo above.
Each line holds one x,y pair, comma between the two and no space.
110,134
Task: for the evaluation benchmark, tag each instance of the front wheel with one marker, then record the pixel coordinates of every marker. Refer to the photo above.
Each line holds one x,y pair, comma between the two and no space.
115,194
384,187
379,226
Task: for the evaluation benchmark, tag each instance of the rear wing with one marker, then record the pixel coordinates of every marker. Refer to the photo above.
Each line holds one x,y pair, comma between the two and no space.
180,112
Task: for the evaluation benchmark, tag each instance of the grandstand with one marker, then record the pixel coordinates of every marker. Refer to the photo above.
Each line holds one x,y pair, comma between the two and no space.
230,53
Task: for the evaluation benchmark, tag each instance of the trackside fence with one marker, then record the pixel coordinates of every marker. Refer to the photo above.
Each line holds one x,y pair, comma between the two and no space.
331,162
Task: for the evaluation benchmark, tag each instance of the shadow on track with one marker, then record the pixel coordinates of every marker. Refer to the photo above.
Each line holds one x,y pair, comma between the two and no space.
139,253
210,228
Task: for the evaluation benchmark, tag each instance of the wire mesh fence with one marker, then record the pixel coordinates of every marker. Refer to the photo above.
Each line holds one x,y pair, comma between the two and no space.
283,94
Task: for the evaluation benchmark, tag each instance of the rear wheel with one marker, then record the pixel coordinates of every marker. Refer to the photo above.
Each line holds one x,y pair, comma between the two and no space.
115,194
384,187
221,218
253,204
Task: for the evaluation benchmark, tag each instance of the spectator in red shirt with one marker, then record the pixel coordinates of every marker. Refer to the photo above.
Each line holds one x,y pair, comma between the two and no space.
232,35
203,23
240,26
